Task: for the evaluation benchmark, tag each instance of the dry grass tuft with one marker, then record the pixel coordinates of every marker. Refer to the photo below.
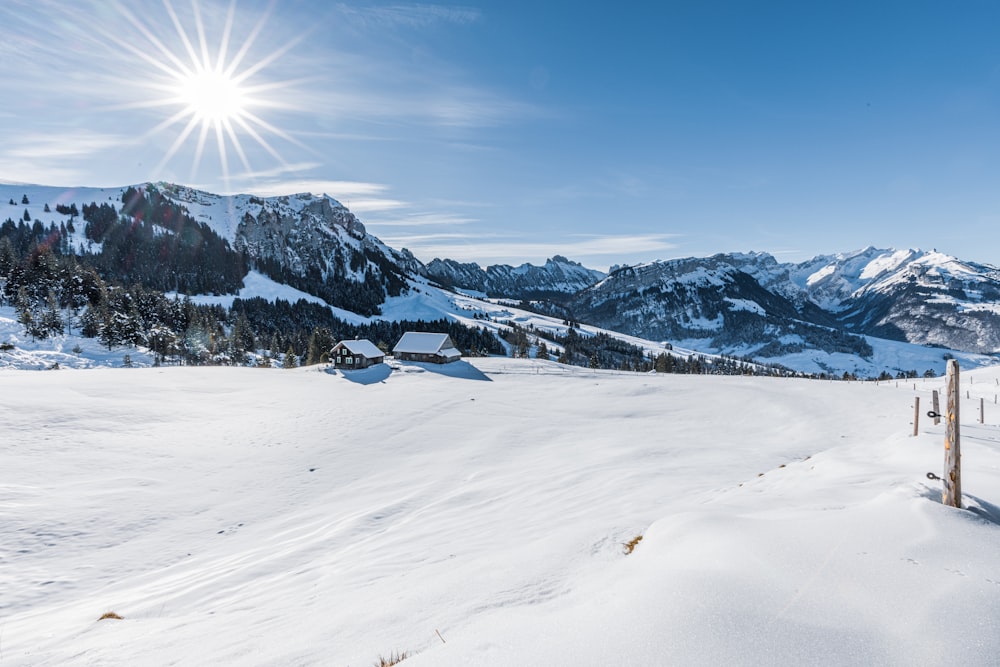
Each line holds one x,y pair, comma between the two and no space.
393,659
112,615
631,544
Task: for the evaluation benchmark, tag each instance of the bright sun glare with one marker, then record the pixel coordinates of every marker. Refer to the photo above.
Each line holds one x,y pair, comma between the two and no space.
212,96
211,87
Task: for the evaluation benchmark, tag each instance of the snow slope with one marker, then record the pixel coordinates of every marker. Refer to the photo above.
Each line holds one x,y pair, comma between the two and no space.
306,517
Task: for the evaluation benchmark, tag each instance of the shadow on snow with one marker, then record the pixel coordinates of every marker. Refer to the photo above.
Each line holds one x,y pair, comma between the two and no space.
372,375
462,370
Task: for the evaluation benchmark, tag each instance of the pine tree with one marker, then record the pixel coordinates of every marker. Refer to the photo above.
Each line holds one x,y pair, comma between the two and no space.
242,338
313,353
51,320
289,361
320,344
25,316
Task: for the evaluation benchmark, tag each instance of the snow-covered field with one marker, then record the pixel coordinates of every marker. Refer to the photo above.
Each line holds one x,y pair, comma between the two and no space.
475,515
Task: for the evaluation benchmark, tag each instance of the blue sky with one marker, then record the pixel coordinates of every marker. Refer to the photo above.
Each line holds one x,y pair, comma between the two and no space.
513,131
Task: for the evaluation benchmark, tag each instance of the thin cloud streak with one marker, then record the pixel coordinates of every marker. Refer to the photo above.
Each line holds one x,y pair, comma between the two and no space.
340,190
422,220
410,16
477,248
279,170
374,204
60,146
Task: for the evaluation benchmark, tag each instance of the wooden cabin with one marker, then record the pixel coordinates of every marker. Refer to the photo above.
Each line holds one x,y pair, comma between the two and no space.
348,354
435,348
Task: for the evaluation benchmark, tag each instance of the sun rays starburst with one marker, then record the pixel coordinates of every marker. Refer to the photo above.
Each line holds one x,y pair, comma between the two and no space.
216,93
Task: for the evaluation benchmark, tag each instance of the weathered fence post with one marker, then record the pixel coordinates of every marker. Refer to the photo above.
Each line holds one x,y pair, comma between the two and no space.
982,410
952,442
936,407
916,416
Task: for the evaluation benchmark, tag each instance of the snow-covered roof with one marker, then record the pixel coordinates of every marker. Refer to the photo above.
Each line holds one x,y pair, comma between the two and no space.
363,347
426,343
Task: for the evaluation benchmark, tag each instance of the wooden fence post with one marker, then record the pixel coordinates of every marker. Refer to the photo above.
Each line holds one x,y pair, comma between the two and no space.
982,410
936,407
952,442
916,416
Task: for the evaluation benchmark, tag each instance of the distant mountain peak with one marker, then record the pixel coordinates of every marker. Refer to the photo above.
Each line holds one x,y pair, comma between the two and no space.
558,276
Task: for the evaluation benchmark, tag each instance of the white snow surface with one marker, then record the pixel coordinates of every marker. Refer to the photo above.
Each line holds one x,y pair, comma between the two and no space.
885,263
307,517
747,305
256,284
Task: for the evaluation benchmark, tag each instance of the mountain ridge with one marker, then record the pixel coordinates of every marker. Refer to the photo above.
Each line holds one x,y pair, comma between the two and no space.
744,304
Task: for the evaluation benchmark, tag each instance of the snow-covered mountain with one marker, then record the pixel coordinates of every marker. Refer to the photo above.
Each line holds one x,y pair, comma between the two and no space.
557,277
753,304
923,297
311,242
712,304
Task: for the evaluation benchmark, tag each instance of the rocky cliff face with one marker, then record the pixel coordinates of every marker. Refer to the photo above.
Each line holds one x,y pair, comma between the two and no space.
304,233
311,242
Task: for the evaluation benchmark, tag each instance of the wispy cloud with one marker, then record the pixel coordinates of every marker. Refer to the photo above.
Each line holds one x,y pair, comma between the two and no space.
420,220
279,170
57,158
467,106
487,248
410,15
338,189
65,145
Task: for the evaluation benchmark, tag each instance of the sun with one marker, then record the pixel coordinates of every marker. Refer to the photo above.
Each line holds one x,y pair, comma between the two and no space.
212,96
213,91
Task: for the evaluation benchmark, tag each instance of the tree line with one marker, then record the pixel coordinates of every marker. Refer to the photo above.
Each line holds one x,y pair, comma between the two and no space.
602,350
